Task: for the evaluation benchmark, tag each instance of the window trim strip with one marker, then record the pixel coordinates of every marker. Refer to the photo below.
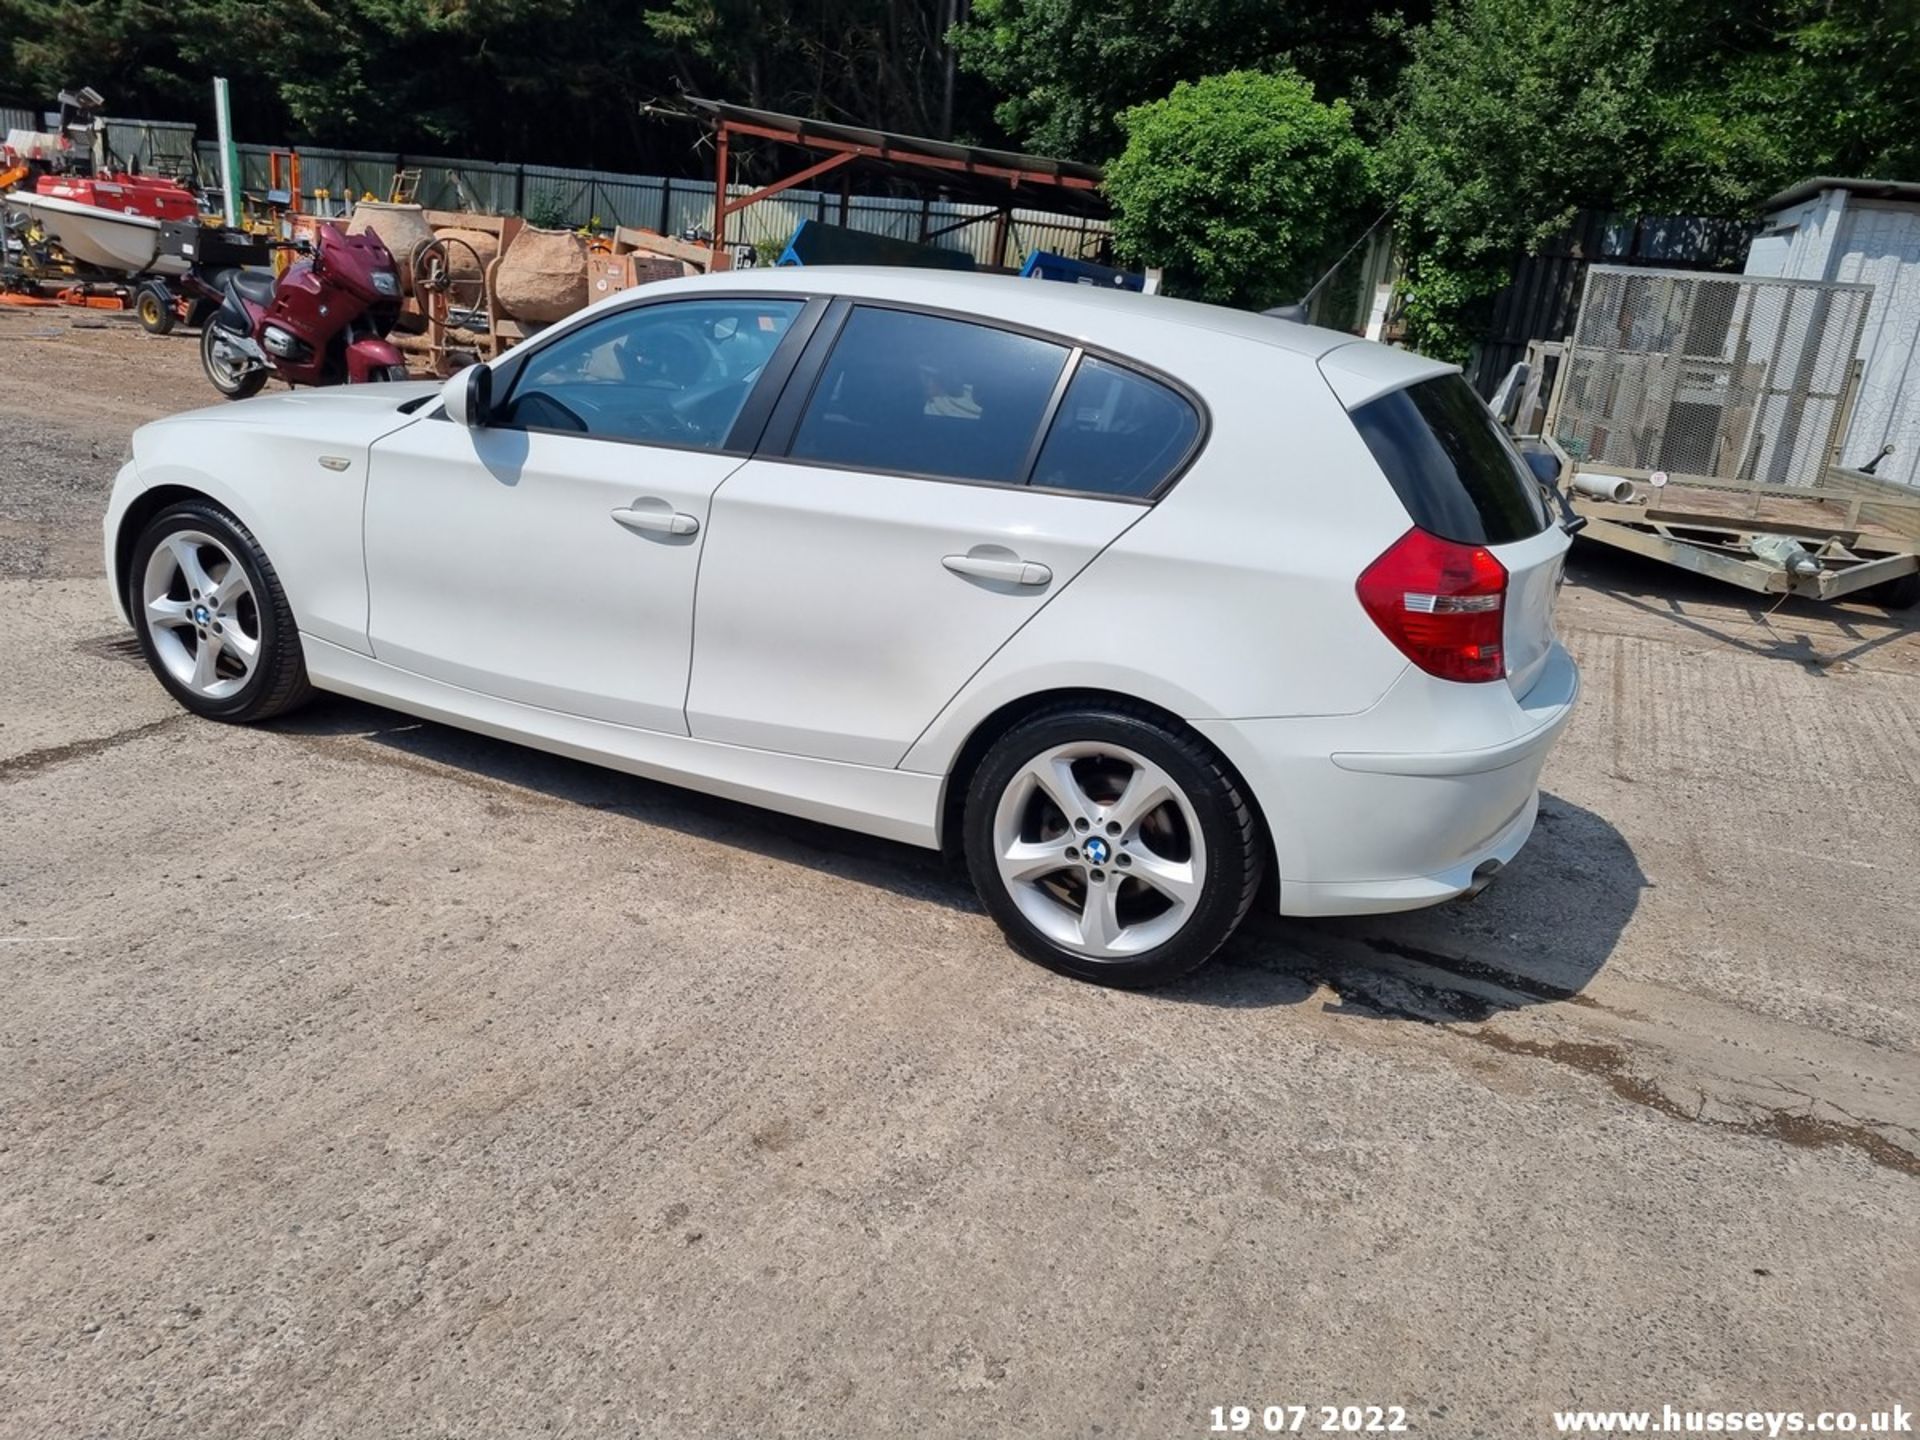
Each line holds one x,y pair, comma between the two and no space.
1054,401
777,442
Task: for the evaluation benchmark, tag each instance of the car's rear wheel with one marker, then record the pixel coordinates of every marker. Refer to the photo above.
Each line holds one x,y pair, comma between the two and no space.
212,619
1111,846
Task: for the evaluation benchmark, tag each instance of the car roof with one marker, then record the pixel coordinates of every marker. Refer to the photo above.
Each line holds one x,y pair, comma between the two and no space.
1081,311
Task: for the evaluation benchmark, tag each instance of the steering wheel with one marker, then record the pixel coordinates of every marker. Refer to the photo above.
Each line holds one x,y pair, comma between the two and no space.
673,356
665,424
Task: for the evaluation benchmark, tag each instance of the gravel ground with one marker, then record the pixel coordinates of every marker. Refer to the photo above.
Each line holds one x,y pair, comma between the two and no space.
361,1077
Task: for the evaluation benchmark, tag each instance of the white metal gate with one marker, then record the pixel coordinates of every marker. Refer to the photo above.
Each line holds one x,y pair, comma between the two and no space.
1729,377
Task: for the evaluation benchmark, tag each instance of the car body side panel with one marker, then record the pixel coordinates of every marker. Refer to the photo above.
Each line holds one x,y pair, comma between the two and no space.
263,460
893,804
827,620
494,562
1235,595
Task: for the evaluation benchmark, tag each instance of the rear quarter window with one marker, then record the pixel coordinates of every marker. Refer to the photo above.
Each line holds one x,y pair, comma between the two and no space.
1451,464
1116,433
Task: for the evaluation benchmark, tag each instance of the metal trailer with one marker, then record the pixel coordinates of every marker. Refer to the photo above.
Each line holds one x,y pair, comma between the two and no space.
1699,419
161,301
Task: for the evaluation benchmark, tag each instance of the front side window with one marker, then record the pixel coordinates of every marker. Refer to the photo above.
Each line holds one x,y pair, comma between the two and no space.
922,395
671,374
1117,433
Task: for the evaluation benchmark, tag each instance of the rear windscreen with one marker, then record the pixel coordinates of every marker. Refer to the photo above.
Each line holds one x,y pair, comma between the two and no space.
1451,464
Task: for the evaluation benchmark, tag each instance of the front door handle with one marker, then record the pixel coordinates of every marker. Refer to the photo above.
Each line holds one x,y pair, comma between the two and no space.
1013,572
662,521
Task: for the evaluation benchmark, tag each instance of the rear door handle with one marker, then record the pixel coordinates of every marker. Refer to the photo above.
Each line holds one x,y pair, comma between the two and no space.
1012,572
658,522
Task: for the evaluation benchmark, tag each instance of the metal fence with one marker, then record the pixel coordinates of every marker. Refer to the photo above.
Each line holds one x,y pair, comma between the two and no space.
1727,377
331,179
1540,301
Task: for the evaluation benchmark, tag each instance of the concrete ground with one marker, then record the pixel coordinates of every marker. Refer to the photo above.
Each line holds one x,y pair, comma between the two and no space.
362,1077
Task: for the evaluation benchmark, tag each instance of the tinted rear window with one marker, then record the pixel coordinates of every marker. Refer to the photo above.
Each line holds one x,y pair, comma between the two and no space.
1451,464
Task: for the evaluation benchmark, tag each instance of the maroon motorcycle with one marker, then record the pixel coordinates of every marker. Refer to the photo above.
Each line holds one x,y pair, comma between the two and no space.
323,322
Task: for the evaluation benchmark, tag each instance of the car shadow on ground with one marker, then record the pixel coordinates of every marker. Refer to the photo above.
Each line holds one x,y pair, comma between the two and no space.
1537,936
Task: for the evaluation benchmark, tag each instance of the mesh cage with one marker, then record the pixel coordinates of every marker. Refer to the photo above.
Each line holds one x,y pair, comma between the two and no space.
1730,378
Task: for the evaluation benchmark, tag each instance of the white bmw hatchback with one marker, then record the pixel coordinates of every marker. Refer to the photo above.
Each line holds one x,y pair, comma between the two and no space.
1149,609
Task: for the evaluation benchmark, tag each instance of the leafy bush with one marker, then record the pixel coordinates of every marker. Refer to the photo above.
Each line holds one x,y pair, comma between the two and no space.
1241,186
545,212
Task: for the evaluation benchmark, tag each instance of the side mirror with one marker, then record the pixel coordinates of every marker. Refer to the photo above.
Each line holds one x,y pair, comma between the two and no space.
468,396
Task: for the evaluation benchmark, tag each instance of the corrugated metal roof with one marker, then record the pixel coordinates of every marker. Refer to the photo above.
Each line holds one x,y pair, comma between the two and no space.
1907,190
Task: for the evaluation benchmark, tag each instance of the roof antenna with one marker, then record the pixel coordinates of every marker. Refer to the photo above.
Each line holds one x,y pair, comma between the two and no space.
1297,311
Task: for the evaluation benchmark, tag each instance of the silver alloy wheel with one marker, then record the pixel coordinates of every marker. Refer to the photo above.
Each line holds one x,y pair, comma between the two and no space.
201,614
1100,849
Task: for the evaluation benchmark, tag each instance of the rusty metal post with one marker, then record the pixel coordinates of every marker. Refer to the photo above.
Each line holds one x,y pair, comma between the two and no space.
720,195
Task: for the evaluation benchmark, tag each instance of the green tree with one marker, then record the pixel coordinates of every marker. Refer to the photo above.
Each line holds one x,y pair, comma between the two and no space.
1514,114
553,80
1242,186
1065,69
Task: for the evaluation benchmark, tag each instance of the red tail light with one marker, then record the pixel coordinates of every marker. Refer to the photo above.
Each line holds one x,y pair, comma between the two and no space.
1442,603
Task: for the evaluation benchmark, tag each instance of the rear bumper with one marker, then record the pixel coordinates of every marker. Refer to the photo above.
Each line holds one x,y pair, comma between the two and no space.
1400,806
1413,892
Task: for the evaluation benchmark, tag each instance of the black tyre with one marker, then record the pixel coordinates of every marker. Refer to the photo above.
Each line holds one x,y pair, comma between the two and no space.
212,619
154,310
1110,845
387,373
231,381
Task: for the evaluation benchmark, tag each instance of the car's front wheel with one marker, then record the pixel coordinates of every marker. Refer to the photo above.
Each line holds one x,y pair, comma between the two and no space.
212,619
1110,845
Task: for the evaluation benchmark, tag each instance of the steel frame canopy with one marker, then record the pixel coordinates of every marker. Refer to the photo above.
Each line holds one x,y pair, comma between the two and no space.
990,177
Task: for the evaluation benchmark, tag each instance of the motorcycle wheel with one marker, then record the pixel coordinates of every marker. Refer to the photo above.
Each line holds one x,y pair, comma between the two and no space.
379,373
232,382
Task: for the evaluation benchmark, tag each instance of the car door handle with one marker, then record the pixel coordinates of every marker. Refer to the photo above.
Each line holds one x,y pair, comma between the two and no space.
657,522
1012,572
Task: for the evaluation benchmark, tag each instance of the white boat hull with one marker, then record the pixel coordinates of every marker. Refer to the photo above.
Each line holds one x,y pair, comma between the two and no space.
104,239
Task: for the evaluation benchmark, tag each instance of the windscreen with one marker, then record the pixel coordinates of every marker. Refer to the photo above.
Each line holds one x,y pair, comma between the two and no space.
1451,464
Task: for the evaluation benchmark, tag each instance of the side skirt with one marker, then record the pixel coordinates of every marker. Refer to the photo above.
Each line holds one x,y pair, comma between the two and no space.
893,804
